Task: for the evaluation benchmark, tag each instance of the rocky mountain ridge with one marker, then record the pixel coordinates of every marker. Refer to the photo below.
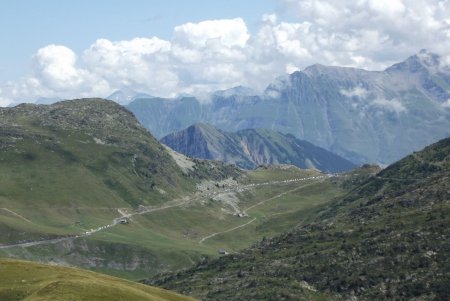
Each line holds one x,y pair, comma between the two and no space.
363,116
253,147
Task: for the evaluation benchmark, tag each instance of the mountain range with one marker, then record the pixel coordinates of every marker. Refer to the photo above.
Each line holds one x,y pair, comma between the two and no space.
363,116
253,147
126,95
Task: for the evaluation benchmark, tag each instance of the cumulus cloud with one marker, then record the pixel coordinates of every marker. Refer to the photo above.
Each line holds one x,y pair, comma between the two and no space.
392,105
219,54
373,33
141,63
54,65
229,33
359,92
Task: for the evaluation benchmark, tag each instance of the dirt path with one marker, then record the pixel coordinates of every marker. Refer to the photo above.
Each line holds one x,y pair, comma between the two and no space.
171,204
251,207
229,230
17,215
276,197
100,228
38,242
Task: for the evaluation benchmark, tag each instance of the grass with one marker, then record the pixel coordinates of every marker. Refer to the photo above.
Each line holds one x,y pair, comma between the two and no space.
273,173
279,214
74,172
169,239
384,239
20,280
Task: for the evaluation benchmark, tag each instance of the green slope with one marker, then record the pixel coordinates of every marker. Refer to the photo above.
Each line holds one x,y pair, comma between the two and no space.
76,166
70,167
22,280
385,240
75,156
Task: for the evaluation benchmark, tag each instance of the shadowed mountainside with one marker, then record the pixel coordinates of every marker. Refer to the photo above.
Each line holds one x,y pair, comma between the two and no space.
253,147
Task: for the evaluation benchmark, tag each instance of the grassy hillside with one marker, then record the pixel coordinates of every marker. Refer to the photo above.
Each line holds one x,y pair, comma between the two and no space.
22,280
177,237
59,162
70,170
74,166
384,240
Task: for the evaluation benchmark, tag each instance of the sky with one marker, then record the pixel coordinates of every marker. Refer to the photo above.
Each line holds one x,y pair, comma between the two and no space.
85,48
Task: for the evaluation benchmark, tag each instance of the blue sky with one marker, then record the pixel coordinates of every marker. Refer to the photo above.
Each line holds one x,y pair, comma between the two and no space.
90,48
27,25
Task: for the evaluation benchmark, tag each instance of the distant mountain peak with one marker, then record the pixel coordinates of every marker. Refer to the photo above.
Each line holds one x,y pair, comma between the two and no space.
238,91
126,95
250,148
422,61
428,58
315,68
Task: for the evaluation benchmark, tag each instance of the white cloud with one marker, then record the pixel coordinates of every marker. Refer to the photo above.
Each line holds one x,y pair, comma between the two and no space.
359,92
4,102
55,66
291,68
373,33
219,54
141,63
393,105
230,33
446,104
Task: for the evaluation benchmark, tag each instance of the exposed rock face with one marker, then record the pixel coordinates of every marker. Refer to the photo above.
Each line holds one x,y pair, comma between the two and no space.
364,116
191,142
251,148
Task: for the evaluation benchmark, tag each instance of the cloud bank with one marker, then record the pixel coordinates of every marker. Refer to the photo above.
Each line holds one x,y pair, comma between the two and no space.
219,54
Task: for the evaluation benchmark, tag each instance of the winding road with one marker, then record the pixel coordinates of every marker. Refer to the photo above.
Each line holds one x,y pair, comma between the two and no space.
171,204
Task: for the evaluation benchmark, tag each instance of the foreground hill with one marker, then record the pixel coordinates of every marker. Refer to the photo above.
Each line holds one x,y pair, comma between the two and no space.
253,147
386,239
22,280
72,172
363,116
79,154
